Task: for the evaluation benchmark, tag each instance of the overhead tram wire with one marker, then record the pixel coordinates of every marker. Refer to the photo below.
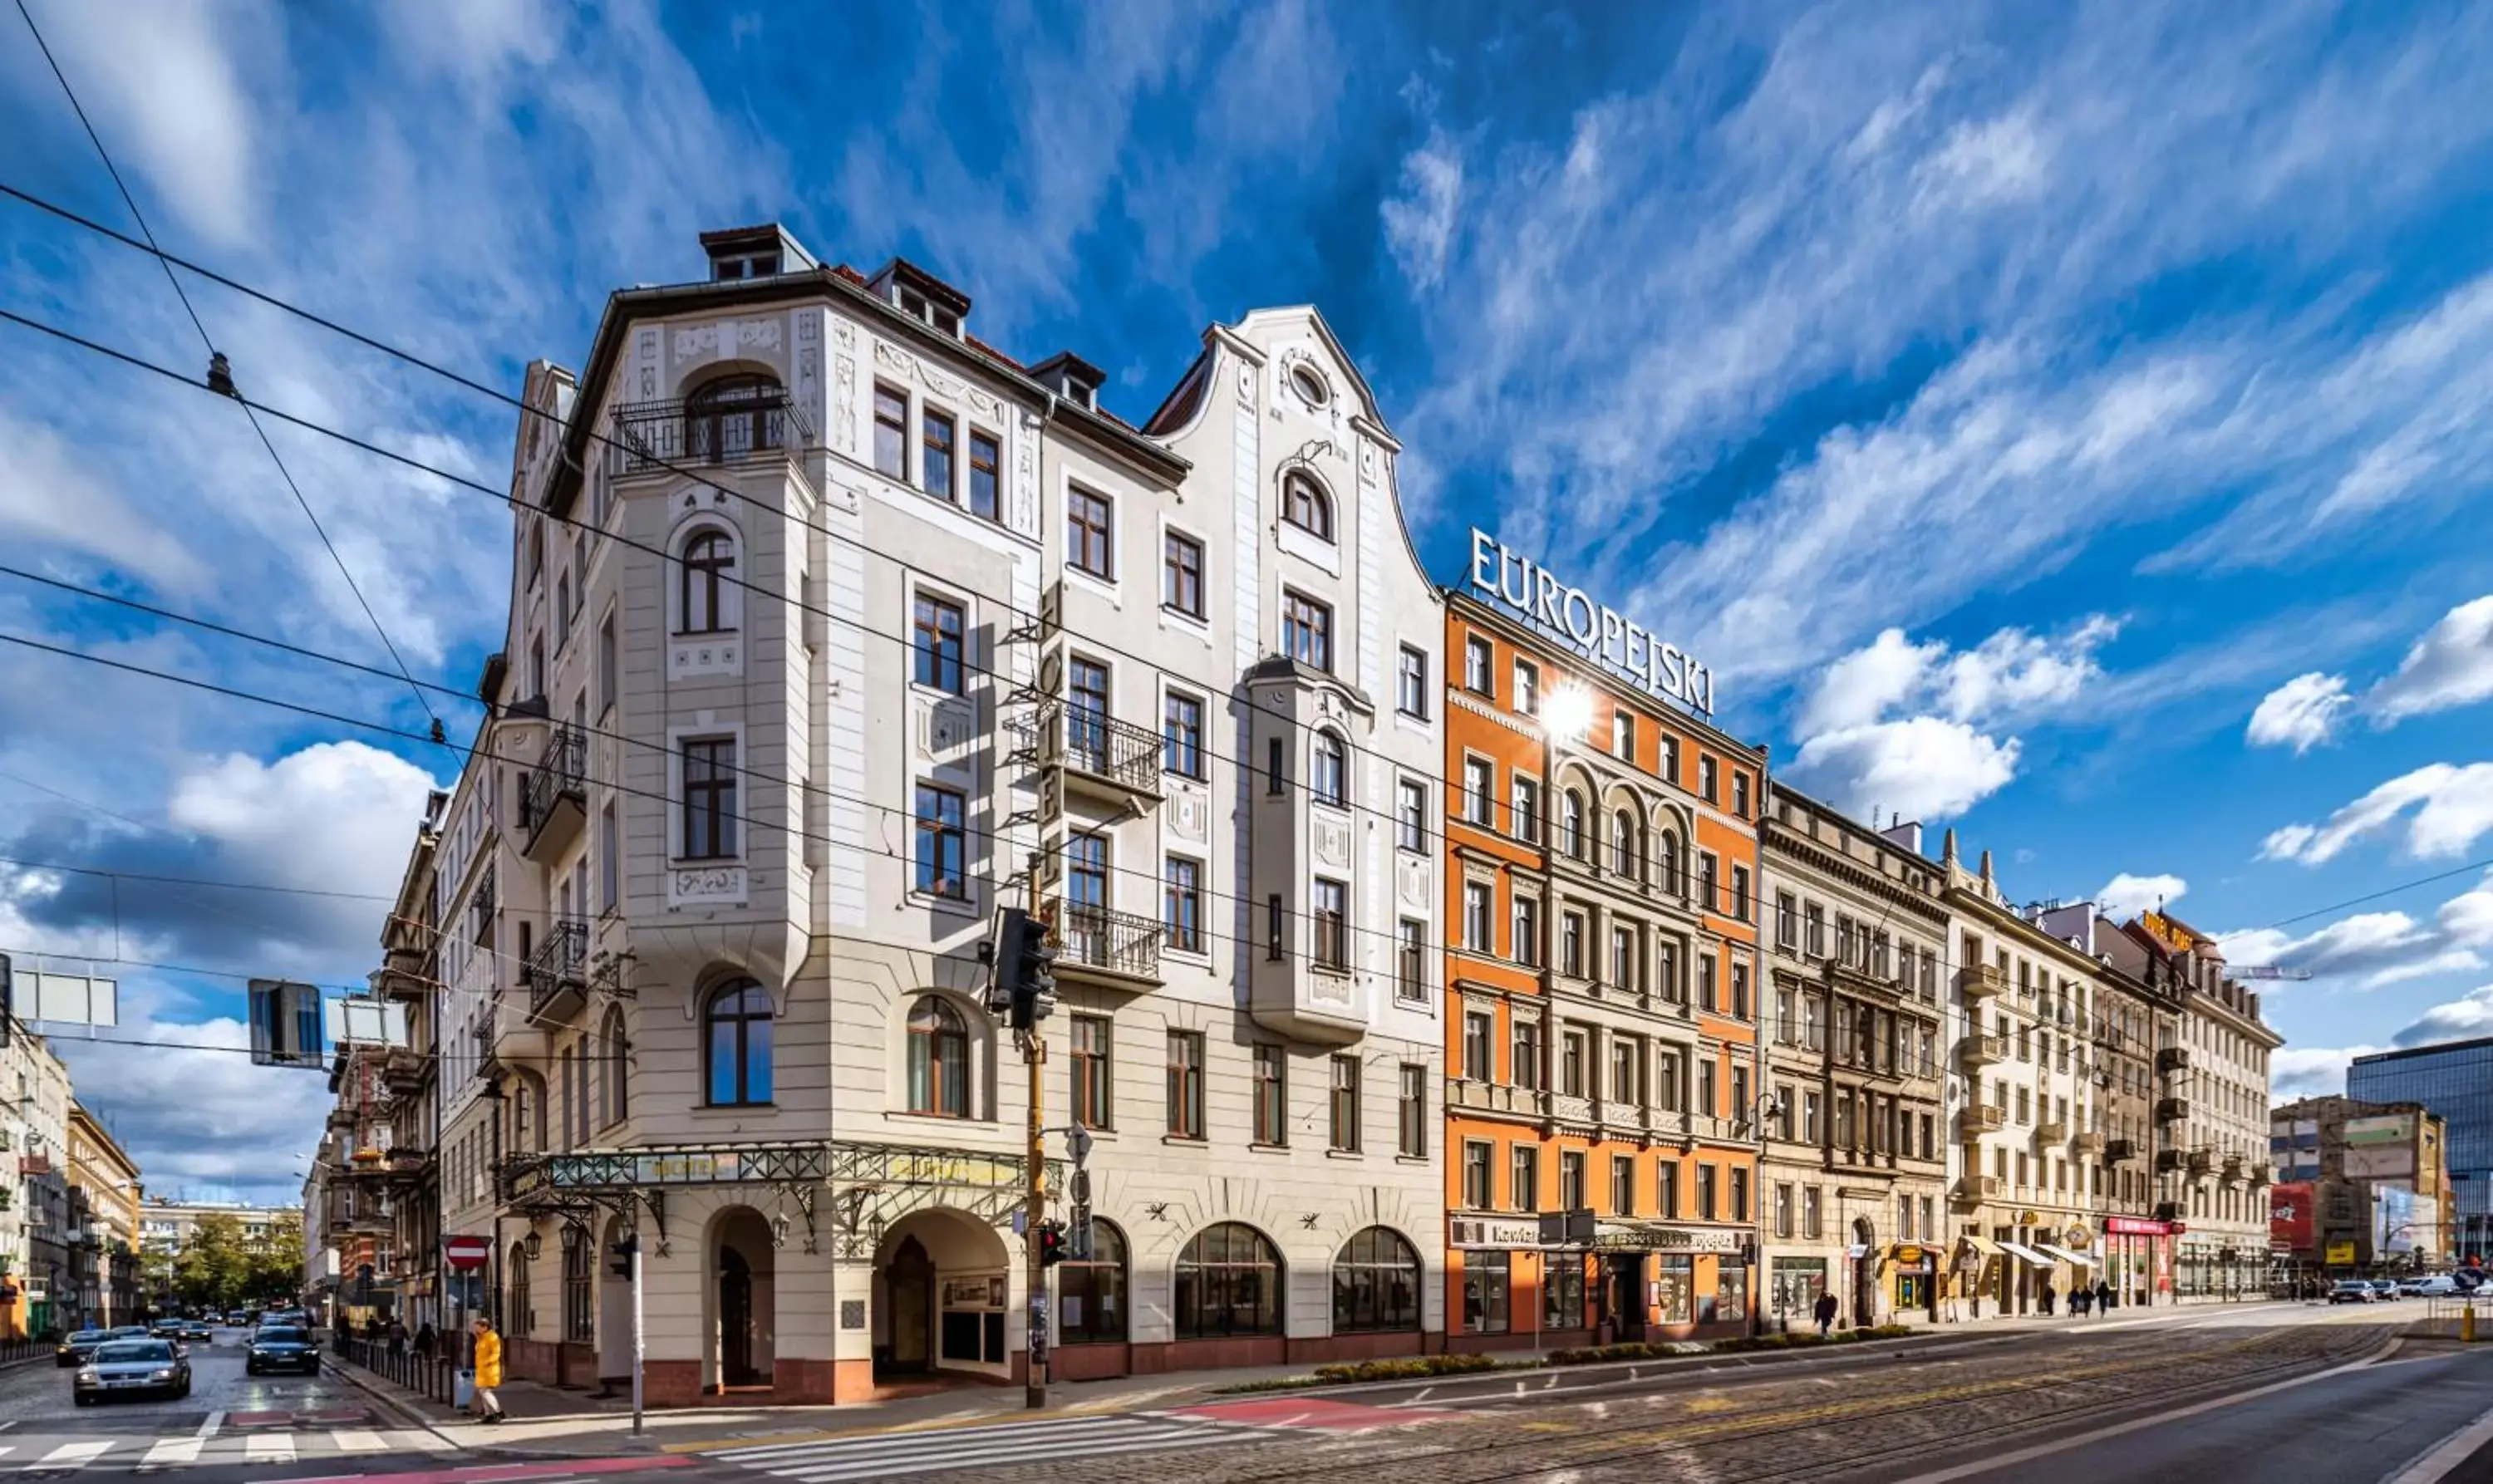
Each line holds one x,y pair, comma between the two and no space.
192,880
604,440
215,360
967,666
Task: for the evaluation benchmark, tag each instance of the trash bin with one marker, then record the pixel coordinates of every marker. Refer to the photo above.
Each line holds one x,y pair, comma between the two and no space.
462,1385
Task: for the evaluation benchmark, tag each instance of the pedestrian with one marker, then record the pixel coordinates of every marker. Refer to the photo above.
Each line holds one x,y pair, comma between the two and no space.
426,1340
1824,1313
487,1407
2103,1297
2081,1299
397,1338
2044,1297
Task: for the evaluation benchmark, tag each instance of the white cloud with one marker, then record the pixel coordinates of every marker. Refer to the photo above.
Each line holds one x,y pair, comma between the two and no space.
2302,714
2311,1071
2453,807
2450,961
1420,223
336,814
2126,896
2450,666
2468,1015
1943,762
2372,950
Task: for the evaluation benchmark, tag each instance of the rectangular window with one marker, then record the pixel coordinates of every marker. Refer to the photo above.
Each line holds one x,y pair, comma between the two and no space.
1571,1062
1345,1104
1271,1096
1307,630
1571,945
1487,1282
1182,574
1623,734
935,631
610,864
1815,918
890,432
1277,765
1181,905
1709,883
1182,734
1523,812
1477,658
941,844
1740,794
1783,1210
1185,1083
1709,783
1741,908
1527,932
1275,927
1478,932
1333,925
1411,961
1739,1195
1527,688
1524,1178
1479,1175
1411,819
1706,1208
985,463
1571,1180
1090,532
1523,1063
1812,1212
1667,1081
1411,689
1622,1185
935,435
1411,1112
1671,758
1666,1190
1562,1291
609,667
1740,990
709,799
1706,1102
1706,997
1478,1062
1480,781
1092,1067
1627,1059
1787,921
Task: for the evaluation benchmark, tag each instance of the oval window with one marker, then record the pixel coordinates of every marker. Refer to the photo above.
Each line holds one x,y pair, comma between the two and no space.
1310,385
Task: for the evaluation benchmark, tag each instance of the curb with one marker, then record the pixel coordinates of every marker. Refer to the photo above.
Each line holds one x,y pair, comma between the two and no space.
408,1415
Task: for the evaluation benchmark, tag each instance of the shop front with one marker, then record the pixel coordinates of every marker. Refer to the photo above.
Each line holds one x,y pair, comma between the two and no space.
1631,1280
2073,1252
1911,1272
1975,1272
2138,1257
1793,1285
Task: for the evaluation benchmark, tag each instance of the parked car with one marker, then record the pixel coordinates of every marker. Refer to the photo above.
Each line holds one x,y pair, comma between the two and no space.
2384,1289
2437,1285
281,1348
132,1367
2352,1291
80,1348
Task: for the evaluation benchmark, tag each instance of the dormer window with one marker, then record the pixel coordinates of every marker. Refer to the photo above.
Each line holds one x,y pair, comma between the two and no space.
921,296
918,307
1072,378
744,265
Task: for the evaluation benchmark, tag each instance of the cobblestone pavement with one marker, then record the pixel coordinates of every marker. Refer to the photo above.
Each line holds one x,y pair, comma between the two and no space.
1754,1430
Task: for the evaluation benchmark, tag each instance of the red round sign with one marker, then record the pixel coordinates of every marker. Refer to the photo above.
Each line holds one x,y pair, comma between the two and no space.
465,1252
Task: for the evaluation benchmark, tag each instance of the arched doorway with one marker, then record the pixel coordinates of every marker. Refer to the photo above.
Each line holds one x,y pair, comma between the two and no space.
741,1298
941,1285
1864,1272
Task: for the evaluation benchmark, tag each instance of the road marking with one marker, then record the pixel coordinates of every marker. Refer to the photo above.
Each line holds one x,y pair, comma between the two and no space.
269,1448
2454,1450
2003,1460
357,1441
169,1451
208,1428
73,1455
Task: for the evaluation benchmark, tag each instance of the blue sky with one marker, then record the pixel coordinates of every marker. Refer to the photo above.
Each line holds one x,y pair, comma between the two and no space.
2067,422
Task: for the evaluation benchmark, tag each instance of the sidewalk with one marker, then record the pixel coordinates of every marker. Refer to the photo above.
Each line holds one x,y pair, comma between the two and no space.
547,1421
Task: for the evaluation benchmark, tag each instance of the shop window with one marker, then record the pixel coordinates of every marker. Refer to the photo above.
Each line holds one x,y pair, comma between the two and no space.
1375,1284
1228,1283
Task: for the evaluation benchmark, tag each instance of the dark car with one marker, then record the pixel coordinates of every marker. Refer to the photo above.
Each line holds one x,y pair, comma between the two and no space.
162,1329
2352,1291
280,1349
200,1330
132,1367
80,1348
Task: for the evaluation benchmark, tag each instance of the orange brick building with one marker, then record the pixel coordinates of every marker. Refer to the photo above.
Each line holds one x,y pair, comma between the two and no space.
1601,986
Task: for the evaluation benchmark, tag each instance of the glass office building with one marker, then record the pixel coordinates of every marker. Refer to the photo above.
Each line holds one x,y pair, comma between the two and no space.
2454,1079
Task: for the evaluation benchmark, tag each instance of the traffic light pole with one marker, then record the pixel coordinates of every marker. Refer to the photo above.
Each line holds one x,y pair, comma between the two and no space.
639,1335
1034,1055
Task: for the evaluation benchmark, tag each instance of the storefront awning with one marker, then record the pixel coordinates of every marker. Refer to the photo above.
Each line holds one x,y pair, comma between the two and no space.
1982,1244
2075,1258
2026,1254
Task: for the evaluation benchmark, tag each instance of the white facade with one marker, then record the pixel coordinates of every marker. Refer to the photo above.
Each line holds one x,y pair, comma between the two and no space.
34,1173
795,648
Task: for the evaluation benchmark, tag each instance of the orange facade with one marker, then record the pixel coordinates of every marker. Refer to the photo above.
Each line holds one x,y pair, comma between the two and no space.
1601,1000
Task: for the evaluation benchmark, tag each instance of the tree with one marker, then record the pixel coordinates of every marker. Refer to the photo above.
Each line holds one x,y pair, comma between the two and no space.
213,1267
273,1272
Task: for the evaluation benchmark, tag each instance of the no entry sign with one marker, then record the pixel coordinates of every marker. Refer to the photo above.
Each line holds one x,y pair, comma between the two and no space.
465,1253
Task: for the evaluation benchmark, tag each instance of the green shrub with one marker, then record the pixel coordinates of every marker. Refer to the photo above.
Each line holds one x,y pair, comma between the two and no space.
1407,1367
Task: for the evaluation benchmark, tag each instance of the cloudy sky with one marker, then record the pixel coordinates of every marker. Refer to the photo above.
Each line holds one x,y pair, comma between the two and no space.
2067,422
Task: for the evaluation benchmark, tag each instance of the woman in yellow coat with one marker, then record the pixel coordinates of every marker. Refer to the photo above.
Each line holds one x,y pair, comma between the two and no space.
489,1372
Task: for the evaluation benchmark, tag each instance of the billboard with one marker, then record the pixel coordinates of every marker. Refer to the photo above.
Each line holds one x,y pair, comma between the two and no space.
2394,1220
2289,1217
2380,1129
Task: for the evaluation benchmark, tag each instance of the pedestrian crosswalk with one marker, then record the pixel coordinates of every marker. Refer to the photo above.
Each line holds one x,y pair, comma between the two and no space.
33,1454
894,1455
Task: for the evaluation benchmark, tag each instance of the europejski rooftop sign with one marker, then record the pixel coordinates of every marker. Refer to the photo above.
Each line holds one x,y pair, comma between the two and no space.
1600,633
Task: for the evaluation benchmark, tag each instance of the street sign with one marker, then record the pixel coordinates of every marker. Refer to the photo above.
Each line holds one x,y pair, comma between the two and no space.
466,1254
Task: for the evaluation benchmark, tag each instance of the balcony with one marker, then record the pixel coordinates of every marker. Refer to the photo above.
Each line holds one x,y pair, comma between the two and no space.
556,972
554,797
1974,1189
1116,949
2261,1176
2233,1173
2087,1140
2172,1110
409,1166
2120,1151
652,437
1983,1118
2051,1131
2201,1162
2172,1058
2167,1211
1978,981
1980,1051
1109,761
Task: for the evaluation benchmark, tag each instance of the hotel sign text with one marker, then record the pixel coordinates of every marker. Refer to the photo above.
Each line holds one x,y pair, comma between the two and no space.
1600,633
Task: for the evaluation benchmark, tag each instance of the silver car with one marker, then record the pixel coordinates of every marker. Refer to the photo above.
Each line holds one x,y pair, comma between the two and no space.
132,1368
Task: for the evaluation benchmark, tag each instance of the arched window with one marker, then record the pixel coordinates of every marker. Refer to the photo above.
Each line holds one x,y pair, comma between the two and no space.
1228,1283
611,1048
1669,854
1306,505
579,1294
709,560
736,1030
519,1320
1625,858
1091,1292
1376,1283
735,417
939,1060
1570,824
1331,774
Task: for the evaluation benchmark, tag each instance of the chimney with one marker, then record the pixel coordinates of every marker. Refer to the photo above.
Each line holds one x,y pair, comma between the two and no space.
1908,835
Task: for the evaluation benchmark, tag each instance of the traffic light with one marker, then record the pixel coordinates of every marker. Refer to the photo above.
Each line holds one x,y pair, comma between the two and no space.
1051,1243
1022,988
619,1256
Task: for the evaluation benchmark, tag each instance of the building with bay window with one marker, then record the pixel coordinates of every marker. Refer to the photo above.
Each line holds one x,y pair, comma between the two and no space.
834,630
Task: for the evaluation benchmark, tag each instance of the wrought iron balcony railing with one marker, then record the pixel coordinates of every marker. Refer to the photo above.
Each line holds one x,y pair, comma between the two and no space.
1115,942
558,964
1101,747
561,772
658,434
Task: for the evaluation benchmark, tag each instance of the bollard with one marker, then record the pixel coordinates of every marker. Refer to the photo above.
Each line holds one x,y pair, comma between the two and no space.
2466,1323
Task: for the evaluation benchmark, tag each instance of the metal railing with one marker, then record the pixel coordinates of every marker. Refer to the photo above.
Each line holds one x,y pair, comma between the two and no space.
561,769
656,434
558,961
396,1362
1103,747
1119,942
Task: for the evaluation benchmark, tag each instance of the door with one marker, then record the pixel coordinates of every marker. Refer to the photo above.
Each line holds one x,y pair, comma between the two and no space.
735,1319
1623,1296
910,1284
